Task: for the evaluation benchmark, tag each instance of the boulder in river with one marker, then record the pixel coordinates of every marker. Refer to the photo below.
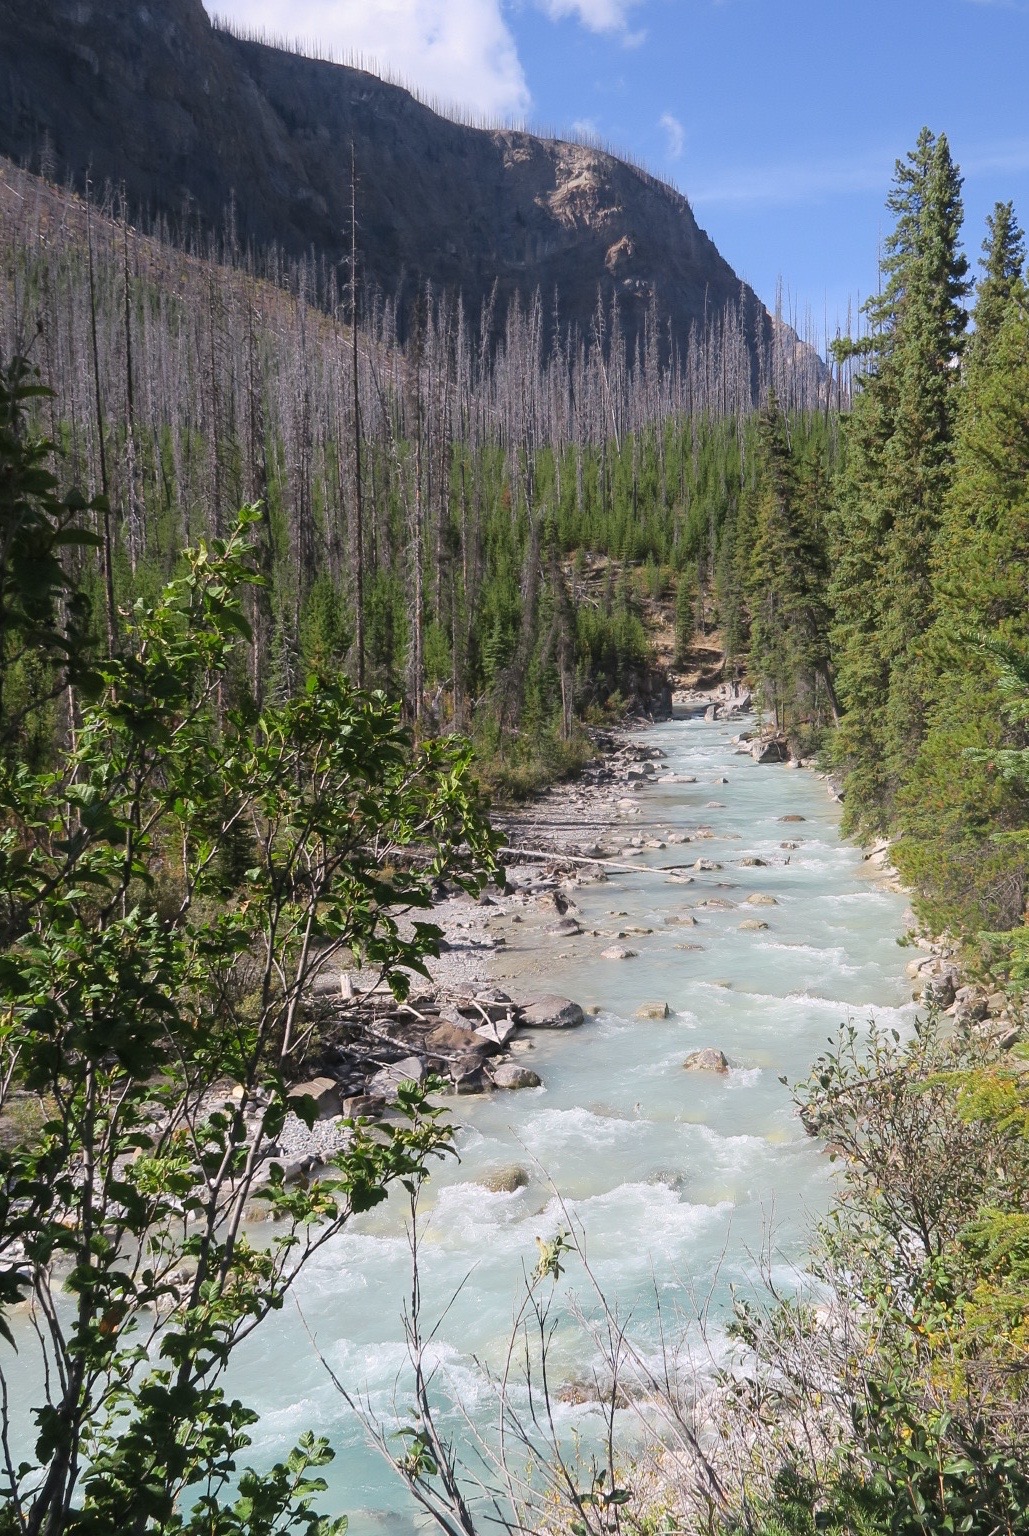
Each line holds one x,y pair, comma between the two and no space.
653,1011
550,1012
707,1060
793,817
760,899
706,866
618,952
752,925
680,920
510,1075
504,1181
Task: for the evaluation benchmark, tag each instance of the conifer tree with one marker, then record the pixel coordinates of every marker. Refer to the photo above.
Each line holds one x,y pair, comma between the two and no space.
1003,260
788,576
900,443
953,806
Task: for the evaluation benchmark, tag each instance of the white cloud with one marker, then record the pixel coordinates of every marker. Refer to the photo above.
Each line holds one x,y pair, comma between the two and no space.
460,51
597,15
675,134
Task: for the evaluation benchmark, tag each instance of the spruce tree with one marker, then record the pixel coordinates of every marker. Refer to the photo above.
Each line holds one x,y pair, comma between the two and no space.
900,449
954,805
787,576
1003,260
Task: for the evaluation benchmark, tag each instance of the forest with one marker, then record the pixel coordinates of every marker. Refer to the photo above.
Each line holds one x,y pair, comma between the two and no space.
284,597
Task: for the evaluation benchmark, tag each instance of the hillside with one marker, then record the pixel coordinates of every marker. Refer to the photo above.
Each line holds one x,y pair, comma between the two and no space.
193,121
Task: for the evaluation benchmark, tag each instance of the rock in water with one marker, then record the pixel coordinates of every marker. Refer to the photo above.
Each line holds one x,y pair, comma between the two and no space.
504,1181
653,1011
511,1076
707,1060
618,952
551,1012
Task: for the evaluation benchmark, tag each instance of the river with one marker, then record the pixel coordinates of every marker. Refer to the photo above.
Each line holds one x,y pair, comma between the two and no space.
678,1179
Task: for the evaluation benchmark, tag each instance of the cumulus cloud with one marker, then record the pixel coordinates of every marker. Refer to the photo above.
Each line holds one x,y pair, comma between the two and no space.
675,134
597,15
460,51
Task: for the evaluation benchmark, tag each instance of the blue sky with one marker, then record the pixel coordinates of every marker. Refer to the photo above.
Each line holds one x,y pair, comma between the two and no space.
781,120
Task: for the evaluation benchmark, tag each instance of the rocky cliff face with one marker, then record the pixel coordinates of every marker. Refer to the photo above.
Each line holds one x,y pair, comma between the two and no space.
147,94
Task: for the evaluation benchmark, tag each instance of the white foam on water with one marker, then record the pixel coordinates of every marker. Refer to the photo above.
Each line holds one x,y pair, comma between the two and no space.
743,1077
554,1129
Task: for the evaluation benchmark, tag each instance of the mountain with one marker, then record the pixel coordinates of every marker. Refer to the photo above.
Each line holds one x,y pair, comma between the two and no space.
192,121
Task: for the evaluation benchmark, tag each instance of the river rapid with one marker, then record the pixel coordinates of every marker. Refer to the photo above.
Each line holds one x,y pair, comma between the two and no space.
679,1180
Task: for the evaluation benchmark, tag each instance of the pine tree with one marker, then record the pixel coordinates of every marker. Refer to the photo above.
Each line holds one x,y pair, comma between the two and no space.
899,464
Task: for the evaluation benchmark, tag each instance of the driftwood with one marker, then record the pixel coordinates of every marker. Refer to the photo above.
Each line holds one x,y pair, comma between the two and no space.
544,857
580,858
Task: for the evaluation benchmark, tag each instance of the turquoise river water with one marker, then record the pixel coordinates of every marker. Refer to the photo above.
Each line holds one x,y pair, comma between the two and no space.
678,1179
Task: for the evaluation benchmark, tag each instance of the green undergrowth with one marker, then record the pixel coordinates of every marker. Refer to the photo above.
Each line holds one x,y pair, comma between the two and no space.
517,768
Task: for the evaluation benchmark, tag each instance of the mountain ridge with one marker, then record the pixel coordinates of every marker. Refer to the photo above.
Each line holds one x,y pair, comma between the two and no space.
192,120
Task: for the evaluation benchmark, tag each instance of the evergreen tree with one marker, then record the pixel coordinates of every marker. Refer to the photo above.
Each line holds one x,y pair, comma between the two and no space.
788,576
899,463
1003,260
953,805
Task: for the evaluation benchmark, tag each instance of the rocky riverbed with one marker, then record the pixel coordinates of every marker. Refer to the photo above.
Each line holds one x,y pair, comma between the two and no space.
475,1022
